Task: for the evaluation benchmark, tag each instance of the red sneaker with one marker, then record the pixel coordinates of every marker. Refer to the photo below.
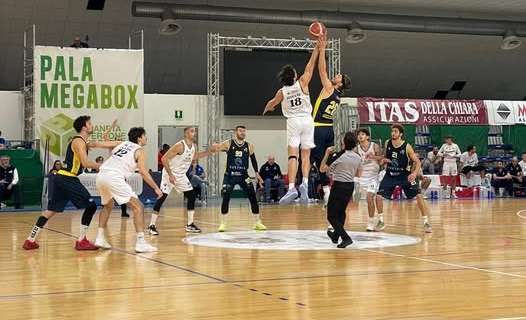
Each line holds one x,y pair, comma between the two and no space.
30,245
84,244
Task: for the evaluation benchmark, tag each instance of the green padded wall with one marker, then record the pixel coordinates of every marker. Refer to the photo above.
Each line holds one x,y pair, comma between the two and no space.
29,169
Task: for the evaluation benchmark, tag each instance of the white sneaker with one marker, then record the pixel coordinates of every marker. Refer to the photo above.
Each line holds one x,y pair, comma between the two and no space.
370,226
102,243
2,205
142,247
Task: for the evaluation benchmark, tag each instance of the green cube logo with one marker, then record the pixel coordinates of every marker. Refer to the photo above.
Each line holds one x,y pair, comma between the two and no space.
58,130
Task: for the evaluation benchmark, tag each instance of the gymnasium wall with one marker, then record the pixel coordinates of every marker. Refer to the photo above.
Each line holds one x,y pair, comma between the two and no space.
12,115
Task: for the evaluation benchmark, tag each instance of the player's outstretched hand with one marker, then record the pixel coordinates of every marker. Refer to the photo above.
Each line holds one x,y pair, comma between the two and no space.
215,147
329,150
159,193
322,42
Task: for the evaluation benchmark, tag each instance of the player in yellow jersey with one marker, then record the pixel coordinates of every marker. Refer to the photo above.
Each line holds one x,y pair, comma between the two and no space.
323,113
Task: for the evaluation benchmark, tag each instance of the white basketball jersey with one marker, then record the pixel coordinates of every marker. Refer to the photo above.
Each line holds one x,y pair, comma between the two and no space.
181,162
295,103
369,167
122,159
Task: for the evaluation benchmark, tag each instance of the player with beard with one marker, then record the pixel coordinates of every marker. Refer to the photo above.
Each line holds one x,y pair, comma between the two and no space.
398,155
238,152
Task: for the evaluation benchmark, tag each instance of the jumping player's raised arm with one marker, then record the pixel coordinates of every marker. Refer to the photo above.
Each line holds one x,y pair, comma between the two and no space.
254,162
416,163
274,102
143,171
79,147
322,67
176,149
309,69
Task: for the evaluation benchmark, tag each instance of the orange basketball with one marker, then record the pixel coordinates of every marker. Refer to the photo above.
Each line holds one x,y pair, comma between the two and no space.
316,30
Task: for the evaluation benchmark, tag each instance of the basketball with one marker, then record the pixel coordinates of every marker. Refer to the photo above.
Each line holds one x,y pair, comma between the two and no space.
316,30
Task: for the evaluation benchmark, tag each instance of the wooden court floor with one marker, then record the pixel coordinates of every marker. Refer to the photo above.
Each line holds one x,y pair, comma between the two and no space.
472,267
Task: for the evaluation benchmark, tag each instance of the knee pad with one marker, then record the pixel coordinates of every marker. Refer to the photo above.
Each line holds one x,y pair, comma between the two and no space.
88,213
190,196
159,203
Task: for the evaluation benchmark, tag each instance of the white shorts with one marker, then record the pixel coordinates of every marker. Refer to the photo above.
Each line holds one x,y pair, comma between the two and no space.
182,184
369,184
300,131
112,185
449,169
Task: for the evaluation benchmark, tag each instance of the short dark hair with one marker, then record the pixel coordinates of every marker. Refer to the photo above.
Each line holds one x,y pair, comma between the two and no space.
135,133
287,74
349,140
364,130
346,83
187,128
80,123
166,146
449,137
240,127
470,147
399,127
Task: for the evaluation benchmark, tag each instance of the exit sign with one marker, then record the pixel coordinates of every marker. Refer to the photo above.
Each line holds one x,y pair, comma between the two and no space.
178,114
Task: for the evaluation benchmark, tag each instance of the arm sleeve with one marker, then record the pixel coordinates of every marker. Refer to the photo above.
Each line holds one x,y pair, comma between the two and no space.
15,177
254,162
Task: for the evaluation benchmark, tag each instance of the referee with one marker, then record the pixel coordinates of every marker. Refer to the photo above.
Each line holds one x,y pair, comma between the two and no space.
343,166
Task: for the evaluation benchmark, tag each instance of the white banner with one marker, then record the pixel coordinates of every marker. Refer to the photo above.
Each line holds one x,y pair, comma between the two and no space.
69,82
500,113
519,109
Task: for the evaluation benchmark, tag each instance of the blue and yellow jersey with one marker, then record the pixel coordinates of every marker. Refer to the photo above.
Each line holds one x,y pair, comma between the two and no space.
71,166
324,109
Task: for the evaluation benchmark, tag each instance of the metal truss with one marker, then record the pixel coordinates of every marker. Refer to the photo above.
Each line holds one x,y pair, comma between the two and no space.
215,104
28,90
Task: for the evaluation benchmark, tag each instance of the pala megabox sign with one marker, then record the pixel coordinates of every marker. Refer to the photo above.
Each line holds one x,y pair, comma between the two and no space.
422,112
105,84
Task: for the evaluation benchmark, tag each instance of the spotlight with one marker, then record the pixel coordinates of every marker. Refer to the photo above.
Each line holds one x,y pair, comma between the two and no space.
355,33
168,26
510,41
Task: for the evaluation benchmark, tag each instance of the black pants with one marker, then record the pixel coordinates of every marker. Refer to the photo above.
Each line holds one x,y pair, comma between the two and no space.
477,168
341,193
323,138
229,182
15,192
507,184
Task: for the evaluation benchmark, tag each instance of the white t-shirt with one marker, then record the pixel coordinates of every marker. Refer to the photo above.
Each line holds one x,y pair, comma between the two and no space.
295,102
469,160
523,166
450,152
122,159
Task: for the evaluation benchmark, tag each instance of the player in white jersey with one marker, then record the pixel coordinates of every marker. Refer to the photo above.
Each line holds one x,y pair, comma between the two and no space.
176,162
297,108
369,179
451,153
126,158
